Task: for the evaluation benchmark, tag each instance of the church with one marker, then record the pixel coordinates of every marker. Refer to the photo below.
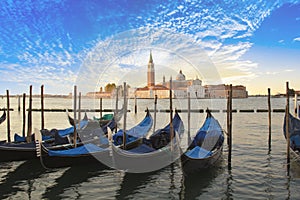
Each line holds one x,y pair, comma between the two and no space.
180,86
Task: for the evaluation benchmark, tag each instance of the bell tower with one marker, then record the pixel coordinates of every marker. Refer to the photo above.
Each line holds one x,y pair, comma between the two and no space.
150,72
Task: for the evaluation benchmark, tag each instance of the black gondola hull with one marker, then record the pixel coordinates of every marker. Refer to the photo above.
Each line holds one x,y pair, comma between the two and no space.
13,153
98,158
193,165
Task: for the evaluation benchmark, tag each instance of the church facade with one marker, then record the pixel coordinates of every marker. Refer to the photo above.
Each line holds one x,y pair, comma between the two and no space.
180,86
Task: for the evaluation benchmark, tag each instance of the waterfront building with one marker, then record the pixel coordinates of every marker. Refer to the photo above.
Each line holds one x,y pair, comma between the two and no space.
180,86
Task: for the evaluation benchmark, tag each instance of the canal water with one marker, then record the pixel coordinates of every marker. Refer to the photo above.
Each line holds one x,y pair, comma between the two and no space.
257,172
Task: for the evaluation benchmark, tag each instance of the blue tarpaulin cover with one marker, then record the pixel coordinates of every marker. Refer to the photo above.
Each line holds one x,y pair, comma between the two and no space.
198,152
85,149
137,131
70,130
142,149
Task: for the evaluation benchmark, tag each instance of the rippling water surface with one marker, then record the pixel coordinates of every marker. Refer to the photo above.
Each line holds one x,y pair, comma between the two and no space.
257,172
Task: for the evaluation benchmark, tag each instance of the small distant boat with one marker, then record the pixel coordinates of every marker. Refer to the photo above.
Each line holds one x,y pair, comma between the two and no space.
206,148
90,152
107,117
294,131
146,155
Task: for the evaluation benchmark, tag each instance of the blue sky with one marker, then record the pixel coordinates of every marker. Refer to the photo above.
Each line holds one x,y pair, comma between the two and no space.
93,42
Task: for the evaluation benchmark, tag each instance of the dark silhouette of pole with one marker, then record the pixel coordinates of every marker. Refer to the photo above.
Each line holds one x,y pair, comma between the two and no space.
75,116
155,110
270,117
42,108
116,111
229,126
287,128
100,108
29,121
135,104
125,115
171,114
189,119
8,117
24,114
19,103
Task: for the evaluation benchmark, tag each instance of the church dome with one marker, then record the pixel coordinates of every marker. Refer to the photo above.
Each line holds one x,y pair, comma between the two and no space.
180,76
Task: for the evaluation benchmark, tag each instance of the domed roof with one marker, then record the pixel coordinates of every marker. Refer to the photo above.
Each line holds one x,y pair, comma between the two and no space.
180,76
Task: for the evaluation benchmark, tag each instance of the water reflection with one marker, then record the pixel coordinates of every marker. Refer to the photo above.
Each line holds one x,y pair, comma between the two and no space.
21,179
159,184
193,185
229,191
132,183
72,178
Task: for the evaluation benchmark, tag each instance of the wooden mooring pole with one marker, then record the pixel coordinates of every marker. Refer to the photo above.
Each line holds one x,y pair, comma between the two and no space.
189,119
229,125
116,110
75,116
42,108
8,117
155,108
296,104
79,109
19,103
24,115
125,115
135,104
171,115
29,118
100,108
270,119
287,126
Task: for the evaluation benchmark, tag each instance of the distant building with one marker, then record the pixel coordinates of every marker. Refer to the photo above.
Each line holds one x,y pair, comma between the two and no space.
99,94
221,91
180,86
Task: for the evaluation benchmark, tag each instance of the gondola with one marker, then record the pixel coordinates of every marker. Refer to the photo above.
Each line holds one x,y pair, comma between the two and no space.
206,148
135,132
17,151
294,131
55,135
152,154
91,152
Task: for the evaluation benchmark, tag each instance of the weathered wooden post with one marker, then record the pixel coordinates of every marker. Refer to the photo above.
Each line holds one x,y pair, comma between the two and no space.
19,103
24,115
42,108
8,117
189,119
79,110
295,104
155,109
29,121
287,126
101,108
171,115
125,115
135,104
230,127
116,110
270,119
75,117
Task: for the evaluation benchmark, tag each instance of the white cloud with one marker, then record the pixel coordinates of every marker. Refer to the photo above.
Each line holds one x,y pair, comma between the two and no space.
297,39
289,70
